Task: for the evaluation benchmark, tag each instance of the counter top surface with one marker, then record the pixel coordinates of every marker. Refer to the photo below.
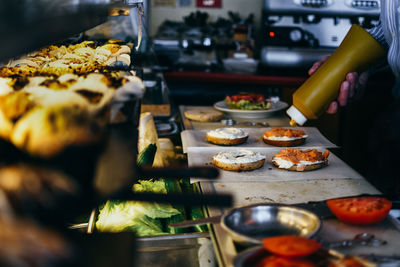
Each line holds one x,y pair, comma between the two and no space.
291,192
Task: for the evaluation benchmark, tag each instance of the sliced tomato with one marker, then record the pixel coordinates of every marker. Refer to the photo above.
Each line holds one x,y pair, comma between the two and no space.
278,261
360,210
291,246
252,98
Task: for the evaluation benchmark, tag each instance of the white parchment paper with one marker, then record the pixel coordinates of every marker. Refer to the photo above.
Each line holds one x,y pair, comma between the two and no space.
336,169
195,140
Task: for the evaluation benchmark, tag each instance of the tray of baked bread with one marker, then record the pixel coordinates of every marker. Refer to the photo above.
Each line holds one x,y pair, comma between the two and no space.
71,108
64,95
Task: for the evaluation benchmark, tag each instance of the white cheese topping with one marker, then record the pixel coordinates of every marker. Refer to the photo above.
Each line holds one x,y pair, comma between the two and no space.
240,156
61,63
286,164
102,51
73,56
284,138
84,51
227,133
24,61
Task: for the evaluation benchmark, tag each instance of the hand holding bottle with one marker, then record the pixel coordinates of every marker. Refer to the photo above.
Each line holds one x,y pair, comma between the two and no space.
352,87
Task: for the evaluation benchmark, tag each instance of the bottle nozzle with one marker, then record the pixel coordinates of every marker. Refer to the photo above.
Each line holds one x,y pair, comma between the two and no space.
296,115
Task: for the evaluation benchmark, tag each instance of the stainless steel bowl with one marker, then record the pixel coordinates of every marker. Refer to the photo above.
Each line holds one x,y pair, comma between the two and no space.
250,224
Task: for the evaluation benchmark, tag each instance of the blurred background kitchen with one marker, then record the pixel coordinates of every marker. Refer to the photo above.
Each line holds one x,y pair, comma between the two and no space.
208,49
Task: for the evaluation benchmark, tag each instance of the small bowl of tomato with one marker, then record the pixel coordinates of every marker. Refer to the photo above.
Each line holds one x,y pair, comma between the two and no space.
249,225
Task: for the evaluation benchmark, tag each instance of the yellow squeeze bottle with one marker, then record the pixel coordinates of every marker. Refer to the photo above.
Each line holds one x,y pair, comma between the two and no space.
357,51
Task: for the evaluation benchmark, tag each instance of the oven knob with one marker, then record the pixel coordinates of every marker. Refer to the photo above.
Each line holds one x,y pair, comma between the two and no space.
295,35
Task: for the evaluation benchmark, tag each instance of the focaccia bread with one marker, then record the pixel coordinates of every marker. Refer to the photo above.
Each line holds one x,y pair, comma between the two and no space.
300,160
84,57
42,115
46,132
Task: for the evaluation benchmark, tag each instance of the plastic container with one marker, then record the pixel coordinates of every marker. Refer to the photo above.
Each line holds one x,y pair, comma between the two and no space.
357,52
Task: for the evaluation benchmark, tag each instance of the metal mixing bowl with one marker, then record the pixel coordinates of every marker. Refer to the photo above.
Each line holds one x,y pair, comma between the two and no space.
250,224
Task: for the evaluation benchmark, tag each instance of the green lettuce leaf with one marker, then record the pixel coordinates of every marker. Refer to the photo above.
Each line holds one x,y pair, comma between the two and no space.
118,216
137,216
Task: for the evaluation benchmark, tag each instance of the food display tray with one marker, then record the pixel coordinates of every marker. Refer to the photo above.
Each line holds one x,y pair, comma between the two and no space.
195,140
336,169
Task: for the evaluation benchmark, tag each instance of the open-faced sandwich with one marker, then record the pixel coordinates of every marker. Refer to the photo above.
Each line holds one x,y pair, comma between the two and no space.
227,136
241,160
284,137
300,160
247,102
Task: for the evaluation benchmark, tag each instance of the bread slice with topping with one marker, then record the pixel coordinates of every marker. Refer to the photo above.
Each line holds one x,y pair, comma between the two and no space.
241,160
227,136
300,160
284,137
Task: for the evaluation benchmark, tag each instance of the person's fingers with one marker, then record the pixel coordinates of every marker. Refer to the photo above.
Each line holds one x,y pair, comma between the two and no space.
317,64
344,93
333,107
314,67
352,78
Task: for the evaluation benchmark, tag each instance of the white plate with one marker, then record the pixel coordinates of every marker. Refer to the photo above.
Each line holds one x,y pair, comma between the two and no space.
250,114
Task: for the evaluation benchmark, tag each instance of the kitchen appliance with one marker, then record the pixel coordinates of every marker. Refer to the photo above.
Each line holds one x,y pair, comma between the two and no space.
296,33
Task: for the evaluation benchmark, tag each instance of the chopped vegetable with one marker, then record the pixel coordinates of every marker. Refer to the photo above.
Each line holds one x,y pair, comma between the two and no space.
125,216
146,157
140,217
247,102
173,186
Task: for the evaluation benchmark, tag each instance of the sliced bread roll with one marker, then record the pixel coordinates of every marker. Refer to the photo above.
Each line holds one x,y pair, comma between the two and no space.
241,160
284,137
300,160
227,136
